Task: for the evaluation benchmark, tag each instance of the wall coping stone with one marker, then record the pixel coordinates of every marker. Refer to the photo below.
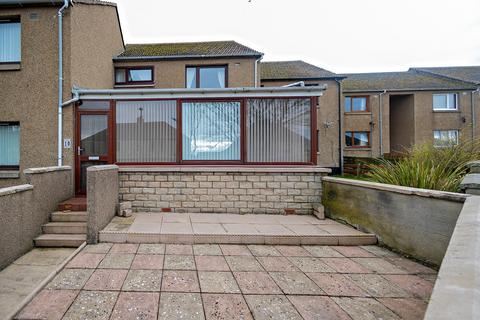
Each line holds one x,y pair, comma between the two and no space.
450,196
474,165
311,169
46,169
15,189
471,181
103,167
457,289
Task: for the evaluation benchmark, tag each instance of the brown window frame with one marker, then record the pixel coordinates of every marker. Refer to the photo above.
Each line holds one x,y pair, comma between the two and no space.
353,139
13,19
197,73
11,167
367,104
243,152
126,71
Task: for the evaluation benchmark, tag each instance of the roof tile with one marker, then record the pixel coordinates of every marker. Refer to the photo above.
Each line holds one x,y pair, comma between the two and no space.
278,70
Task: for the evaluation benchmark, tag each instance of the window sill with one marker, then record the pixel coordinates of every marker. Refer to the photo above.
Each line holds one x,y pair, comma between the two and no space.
146,85
10,66
357,148
446,111
9,174
357,113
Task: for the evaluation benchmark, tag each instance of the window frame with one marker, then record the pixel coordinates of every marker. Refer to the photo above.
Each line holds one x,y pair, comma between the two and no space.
197,73
243,139
446,130
12,167
127,69
13,19
367,104
455,94
353,146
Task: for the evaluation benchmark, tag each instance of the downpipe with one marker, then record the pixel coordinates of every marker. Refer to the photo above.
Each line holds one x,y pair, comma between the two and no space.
380,120
473,112
60,82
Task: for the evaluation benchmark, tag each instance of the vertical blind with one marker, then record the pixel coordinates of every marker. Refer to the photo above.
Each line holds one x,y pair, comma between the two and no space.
278,130
211,131
146,131
9,145
93,134
10,39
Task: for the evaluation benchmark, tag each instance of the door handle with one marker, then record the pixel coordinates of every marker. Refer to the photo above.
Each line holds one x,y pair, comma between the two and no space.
79,151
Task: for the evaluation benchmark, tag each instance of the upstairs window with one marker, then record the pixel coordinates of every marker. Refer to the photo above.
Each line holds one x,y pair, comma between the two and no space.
445,138
206,77
445,101
9,145
356,104
134,75
10,40
357,139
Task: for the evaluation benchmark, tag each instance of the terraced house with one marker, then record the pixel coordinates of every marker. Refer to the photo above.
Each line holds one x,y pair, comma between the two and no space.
95,100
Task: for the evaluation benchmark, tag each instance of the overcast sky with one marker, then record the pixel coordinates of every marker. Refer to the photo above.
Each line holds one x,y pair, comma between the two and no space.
338,35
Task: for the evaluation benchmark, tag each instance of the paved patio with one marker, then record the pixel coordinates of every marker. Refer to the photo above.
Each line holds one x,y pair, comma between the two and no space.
189,228
158,281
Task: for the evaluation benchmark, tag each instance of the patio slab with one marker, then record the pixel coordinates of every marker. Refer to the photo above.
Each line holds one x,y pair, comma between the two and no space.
237,282
222,228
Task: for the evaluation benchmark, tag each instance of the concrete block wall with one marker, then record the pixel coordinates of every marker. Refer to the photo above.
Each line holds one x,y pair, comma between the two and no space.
223,192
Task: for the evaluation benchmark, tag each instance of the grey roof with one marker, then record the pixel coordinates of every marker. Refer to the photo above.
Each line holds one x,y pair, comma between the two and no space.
52,2
293,70
400,81
468,73
211,49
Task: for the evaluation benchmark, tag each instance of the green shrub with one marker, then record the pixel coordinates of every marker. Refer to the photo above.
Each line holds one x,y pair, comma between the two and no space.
428,167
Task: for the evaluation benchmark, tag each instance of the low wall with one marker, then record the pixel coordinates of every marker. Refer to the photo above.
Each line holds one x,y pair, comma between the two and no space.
414,221
102,198
24,208
223,189
456,294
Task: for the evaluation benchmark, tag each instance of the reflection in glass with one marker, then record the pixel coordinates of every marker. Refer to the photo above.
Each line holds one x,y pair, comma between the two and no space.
140,75
93,134
212,77
211,131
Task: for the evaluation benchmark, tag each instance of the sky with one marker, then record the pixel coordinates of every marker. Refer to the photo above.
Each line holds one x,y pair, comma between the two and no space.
342,36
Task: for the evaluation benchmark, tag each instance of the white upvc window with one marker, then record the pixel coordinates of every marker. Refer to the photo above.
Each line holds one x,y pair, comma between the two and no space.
445,101
445,138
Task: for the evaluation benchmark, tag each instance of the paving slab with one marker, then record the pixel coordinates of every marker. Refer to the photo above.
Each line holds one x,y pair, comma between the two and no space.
48,304
407,309
269,307
146,248
98,248
235,250
365,309
238,263
337,285
377,286
354,252
117,261
96,305
70,279
106,280
379,265
179,262
345,265
180,281
143,280
323,251
293,251
211,263
277,264
44,256
182,249
217,282
318,307
174,306
207,250
148,261
264,251
295,283
256,283
86,260
413,284
225,306
136,305
124,248
306,264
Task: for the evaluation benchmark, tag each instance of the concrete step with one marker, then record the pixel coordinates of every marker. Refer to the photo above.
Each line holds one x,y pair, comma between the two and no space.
68,216
65,227
60,240
73,204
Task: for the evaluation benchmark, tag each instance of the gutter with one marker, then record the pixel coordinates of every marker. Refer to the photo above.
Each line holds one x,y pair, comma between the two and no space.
183,57
60,82
408,90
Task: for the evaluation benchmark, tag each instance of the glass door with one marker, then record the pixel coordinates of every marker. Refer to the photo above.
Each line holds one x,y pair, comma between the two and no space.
93,144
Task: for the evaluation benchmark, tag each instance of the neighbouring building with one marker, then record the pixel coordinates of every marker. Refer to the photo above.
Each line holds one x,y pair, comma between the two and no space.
384,113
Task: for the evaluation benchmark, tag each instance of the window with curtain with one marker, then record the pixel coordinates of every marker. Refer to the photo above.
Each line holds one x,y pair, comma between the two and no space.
445,138
133,75
10,40
9,145
278,130
146,131
211,131
445,101
206,77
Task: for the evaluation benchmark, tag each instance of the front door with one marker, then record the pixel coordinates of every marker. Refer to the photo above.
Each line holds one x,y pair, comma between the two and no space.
93,144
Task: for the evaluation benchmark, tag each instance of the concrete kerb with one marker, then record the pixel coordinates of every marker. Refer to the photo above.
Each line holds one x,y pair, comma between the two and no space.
42,284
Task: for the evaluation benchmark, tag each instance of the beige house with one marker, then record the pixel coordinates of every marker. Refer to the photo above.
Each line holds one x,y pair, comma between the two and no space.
385,113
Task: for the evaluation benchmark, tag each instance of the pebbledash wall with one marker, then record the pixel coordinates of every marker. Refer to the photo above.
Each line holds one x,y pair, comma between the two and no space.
222,189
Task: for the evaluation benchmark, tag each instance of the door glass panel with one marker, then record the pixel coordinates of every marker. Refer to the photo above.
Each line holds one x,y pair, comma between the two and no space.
93,133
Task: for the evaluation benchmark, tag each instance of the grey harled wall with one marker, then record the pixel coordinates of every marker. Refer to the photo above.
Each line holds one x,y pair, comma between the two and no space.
102,198
223,190
414,221
24,208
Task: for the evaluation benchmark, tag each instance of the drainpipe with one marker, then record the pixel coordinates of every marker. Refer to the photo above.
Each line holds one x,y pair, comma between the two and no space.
295,84
340,125
255,77
473,112
380,120
60,81
76,97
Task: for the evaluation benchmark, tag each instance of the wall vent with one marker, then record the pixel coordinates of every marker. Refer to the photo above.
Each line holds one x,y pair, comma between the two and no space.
34,16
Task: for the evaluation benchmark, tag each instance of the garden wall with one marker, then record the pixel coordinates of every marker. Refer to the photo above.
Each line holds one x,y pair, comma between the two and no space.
24,208
414,221
223,189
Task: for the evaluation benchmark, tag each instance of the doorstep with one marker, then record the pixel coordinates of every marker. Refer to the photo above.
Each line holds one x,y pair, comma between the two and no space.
193,228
